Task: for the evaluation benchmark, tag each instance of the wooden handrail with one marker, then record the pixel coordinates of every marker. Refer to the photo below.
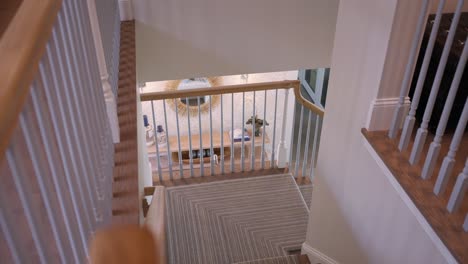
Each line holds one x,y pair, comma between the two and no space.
21,47
237,88
306,103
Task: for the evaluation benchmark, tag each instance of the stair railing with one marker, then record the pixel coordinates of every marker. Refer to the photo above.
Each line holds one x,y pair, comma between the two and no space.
56,149
191,144
452,42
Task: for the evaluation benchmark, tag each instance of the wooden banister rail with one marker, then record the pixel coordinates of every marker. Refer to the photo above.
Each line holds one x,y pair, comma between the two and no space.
237,88
21,47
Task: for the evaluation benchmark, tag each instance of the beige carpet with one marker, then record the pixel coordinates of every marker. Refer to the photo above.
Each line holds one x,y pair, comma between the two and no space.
235,220
277,260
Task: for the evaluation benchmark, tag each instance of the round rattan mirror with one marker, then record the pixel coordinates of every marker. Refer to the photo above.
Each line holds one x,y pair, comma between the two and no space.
192,104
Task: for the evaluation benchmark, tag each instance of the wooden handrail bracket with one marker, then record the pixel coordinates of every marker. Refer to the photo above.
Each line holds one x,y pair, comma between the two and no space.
237,88
21,47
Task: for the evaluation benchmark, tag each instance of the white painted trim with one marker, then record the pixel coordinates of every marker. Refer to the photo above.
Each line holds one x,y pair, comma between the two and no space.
109,97
316,256
381,113
409,203
126,10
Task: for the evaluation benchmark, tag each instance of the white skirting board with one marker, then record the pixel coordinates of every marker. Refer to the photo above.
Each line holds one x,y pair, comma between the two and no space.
381,113
126,10
316,256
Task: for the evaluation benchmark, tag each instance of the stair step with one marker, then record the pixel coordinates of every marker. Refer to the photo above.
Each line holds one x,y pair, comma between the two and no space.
235,220
292,259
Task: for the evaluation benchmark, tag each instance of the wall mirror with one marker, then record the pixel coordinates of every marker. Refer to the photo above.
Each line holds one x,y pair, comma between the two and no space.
191,105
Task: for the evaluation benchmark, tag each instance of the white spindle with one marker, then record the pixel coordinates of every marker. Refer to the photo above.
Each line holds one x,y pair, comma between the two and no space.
434,149
92,183
409,70
22,187
282,149
252,148
299,141
274,132
201,151
314,147
7,226
44,130
211,140
410,119
422,131
243,131
291,144
449,160
108,90
38,163
222,134
64,76
306,148
232,133
51,81
179,152
168,145
190,138
459,190
158,157
264,131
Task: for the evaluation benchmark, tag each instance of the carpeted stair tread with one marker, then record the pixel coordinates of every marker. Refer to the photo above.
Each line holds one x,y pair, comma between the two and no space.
292,259
235,220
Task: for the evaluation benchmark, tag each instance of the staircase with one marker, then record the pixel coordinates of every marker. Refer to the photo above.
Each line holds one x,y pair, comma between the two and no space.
247,220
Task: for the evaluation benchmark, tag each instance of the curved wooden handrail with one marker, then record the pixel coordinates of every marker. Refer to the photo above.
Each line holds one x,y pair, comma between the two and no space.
21,47
306,103
237,88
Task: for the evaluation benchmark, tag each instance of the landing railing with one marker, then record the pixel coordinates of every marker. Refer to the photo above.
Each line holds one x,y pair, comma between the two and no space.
247,132
56,151
433,112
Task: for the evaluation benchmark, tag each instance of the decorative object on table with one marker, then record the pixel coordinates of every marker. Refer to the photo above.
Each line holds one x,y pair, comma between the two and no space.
237,135
149,131
161,135
191,104
258,124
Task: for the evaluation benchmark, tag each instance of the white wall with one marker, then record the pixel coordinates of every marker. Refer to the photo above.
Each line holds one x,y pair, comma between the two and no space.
188,38
356,214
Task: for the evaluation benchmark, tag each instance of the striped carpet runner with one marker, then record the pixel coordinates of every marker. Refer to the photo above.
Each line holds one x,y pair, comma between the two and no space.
235,220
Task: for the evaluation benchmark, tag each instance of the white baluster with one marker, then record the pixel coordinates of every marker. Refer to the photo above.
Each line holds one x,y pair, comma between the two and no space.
222,134
409,71
252,148
232,133
243,131
201,151
274,131
158,157
306,149
459,190
211,140
168,148
449,160
282,148
111,103
179,152
434,149
410,119
314,147
263,130
422,131
299,141
190,137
